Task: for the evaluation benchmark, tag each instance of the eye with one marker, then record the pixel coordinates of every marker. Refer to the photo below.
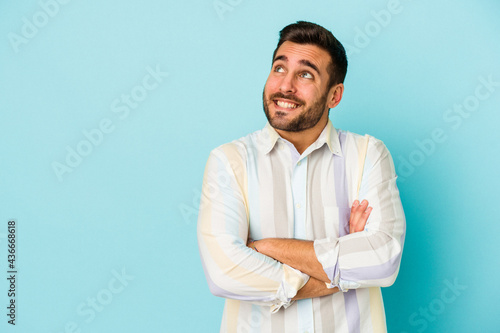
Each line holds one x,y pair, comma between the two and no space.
306,75
279,69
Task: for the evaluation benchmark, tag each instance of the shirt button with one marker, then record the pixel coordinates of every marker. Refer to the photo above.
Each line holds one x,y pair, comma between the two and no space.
282,146
298,206
299,163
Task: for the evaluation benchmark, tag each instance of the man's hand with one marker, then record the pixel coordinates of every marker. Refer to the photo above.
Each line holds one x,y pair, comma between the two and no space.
359,216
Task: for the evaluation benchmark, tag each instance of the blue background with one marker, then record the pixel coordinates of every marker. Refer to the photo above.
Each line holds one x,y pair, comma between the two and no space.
130,205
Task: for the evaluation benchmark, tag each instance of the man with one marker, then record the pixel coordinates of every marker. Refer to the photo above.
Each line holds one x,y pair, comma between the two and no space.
281,233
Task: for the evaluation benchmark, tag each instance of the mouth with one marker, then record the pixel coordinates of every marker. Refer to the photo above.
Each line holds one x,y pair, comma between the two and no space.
286,104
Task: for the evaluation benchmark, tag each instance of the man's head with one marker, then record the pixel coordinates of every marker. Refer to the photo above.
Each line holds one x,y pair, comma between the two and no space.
306,79
310,33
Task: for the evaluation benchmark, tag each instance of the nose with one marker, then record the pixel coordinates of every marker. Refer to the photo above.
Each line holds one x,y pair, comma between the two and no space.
287,84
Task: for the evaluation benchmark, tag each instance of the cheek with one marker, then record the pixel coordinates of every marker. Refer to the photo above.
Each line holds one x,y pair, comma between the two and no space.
316,93
306,94
272,85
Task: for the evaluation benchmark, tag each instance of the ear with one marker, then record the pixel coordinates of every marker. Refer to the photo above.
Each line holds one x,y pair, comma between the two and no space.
335,95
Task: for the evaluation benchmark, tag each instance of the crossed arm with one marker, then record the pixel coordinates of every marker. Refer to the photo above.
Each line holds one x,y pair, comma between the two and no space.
284,266
300,254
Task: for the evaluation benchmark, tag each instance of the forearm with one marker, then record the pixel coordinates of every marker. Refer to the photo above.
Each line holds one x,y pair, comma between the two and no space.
314,288
298,254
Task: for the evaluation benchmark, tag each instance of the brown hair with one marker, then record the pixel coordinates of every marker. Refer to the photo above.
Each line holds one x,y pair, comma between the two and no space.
310,33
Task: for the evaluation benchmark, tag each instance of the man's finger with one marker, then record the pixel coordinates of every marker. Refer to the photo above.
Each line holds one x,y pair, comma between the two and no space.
359,216
355,204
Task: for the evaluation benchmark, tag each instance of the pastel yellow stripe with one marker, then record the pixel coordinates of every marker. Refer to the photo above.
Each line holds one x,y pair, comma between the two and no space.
292,278
377,310
233,309
361,163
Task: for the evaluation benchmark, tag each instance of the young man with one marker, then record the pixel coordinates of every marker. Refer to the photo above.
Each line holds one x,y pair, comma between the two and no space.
281,233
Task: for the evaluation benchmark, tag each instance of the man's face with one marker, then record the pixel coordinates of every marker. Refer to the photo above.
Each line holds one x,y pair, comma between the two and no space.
296,95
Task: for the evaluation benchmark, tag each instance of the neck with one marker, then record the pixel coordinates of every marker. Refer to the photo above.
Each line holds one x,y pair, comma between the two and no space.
303,139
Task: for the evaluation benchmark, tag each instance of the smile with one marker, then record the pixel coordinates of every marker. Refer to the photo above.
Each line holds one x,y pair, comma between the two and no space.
286,105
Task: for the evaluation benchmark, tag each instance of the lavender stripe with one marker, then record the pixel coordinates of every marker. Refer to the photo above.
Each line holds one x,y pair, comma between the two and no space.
331,272
352,311
381,271
341,188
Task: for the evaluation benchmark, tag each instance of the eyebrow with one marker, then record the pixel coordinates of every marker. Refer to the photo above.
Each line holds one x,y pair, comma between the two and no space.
302,62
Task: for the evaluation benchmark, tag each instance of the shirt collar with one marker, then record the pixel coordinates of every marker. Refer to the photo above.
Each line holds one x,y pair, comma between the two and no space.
270,137
332,139
329,136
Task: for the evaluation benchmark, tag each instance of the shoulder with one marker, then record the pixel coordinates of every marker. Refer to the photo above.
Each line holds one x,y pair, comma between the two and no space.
358,148
237,150
357,139
357,142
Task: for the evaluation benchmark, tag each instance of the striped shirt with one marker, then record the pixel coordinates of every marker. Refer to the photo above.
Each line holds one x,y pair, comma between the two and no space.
259,187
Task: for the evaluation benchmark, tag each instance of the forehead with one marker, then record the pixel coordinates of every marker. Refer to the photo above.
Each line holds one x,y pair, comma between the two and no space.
296,52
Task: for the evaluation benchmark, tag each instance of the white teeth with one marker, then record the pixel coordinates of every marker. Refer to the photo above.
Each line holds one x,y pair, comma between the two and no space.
286,105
